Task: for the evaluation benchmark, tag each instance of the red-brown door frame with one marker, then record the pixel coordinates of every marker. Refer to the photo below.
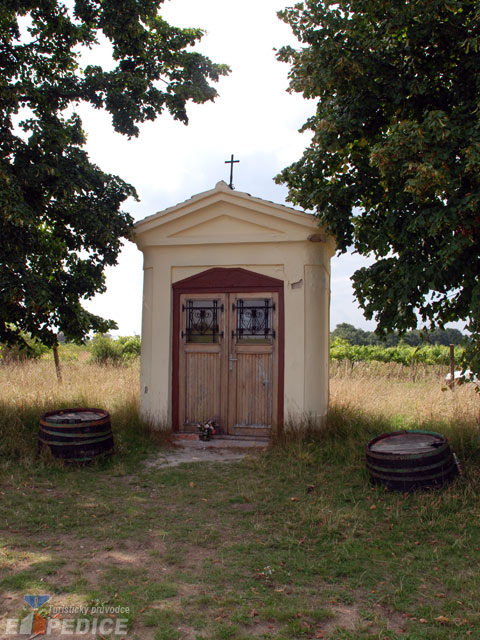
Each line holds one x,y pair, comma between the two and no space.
226,280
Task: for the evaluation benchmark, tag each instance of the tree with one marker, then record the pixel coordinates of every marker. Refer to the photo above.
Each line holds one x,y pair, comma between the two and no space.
348,332
415,338
61,221
447,337
393,167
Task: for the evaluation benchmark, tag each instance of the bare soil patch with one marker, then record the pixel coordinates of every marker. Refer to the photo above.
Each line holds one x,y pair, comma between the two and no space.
191,450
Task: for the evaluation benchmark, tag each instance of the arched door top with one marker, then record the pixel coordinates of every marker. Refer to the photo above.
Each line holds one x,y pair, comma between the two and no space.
222,279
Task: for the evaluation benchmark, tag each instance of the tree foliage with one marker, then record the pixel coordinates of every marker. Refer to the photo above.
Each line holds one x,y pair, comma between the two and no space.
124,349
26,348
61,221
360,337
393,167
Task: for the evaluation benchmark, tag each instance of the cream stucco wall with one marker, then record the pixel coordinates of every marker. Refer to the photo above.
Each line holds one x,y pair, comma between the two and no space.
224,228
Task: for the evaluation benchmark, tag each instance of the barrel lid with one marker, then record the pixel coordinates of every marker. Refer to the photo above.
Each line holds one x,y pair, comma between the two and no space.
66,416
406,442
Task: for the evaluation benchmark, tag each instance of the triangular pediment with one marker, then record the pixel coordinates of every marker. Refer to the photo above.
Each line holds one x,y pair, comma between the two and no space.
222,225
224,216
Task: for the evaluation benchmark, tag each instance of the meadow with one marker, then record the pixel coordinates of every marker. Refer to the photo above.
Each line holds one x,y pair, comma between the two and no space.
289,543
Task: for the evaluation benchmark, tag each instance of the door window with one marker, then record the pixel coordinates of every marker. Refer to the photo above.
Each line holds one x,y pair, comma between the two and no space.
202,321
254,321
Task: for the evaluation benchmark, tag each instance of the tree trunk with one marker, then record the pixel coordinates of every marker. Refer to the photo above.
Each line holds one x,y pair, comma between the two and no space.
57,362
452,367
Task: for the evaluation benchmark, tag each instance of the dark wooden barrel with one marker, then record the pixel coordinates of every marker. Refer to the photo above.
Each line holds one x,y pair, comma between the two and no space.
76,435
408,460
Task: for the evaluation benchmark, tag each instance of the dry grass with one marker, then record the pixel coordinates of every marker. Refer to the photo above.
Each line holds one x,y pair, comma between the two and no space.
385,389
372,399
30,388
387,370
417,403
34,383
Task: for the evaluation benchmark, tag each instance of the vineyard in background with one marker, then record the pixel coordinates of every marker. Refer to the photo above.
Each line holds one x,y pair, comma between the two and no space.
402,360
401,354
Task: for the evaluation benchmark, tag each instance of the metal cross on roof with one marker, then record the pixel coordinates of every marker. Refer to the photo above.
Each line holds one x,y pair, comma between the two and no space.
231,162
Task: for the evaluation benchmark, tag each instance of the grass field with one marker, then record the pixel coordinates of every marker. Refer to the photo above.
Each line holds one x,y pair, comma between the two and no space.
291,543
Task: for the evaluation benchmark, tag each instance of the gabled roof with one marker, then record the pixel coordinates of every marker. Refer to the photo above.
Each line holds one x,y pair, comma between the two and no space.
222,215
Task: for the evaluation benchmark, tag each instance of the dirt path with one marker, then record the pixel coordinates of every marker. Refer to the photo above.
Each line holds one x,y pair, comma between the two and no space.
191,449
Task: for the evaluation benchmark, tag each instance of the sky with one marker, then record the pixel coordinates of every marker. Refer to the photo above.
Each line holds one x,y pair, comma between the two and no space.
254,118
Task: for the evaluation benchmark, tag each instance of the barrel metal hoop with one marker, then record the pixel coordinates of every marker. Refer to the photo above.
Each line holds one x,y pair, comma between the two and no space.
69,444
419,479
77,435
410,469
75,425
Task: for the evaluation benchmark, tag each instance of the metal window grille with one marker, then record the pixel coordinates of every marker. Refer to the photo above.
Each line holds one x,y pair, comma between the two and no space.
201,320
254,319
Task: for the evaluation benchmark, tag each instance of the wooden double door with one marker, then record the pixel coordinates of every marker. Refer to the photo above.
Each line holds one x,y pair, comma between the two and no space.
228,350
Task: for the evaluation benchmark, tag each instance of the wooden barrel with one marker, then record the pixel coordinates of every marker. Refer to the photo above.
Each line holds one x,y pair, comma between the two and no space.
408,460
76,435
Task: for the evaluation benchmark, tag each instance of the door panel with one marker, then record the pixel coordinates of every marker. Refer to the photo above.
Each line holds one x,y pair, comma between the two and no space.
253,348
253,396
202,388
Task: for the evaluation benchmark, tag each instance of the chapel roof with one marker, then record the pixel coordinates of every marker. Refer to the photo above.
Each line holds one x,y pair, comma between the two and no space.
222,189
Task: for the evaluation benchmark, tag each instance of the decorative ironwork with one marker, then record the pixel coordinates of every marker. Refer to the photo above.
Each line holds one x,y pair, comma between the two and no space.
202,321
254,319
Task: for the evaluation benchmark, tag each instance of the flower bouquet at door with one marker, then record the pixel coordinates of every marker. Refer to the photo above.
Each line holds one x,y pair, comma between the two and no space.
207,430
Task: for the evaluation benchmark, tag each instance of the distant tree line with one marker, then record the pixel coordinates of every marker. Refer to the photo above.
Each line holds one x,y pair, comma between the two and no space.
415,338
103,348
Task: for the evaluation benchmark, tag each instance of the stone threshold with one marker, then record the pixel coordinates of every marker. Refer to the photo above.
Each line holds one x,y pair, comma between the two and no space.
221,441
